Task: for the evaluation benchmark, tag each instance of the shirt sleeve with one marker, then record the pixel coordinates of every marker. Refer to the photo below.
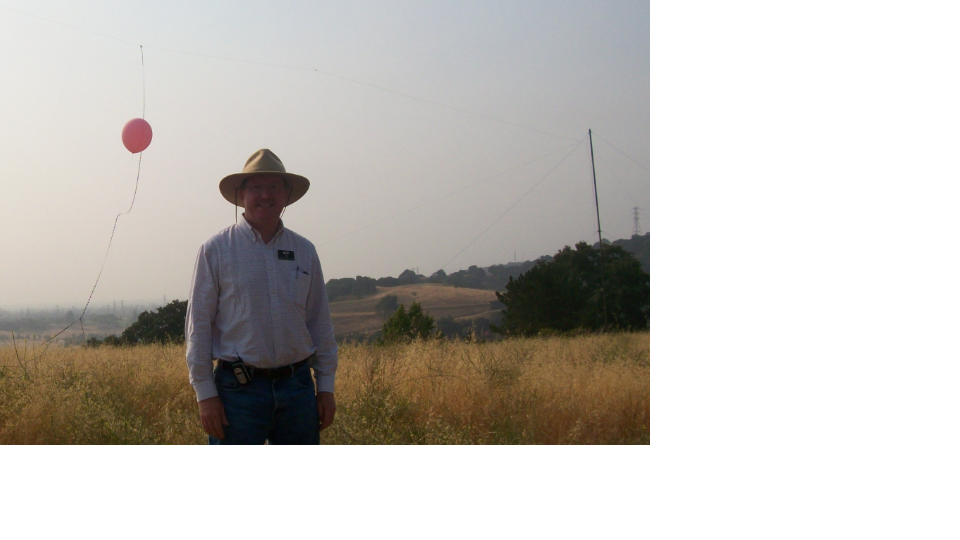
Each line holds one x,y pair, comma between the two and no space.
320,325
201,314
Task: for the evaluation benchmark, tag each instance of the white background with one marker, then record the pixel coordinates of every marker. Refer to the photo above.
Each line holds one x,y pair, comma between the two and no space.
804,330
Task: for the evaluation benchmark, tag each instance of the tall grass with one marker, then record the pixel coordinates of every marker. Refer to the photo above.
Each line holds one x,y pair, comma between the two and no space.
580,390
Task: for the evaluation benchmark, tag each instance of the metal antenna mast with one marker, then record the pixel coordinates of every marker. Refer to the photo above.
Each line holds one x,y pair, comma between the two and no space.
596,199
636,220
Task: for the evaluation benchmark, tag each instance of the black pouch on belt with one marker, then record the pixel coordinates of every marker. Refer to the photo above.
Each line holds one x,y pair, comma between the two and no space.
240,370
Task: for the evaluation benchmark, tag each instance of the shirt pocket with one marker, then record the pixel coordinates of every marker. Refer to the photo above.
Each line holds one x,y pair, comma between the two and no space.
299,287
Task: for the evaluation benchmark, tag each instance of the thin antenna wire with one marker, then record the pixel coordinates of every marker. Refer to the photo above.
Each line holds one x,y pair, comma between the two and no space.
407,211
301,68
464,111
514,204
136,187
105,255
67,25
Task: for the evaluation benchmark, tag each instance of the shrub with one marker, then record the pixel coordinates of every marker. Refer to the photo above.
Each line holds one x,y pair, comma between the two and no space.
471,329
408,325
165,325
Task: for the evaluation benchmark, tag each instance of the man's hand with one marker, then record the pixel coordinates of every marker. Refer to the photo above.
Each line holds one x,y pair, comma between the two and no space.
327,407
213,417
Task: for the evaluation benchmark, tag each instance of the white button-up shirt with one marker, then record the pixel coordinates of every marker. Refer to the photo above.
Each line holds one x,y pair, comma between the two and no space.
264,304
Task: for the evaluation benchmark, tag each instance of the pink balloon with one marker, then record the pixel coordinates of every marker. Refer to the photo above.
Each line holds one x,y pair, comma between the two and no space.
137,135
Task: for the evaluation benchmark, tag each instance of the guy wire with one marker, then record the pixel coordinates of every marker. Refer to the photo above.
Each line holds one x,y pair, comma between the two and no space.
431,201
513,205
624,153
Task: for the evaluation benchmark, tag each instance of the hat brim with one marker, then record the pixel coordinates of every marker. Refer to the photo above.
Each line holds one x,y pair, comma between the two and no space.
230,185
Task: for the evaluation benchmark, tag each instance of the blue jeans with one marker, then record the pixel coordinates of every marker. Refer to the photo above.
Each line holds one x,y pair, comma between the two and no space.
282,411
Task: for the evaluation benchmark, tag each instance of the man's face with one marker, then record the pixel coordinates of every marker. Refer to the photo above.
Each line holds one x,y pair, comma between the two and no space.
263,198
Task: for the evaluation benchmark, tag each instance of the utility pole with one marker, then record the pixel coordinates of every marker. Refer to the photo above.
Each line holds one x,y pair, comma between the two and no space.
596,199
636,220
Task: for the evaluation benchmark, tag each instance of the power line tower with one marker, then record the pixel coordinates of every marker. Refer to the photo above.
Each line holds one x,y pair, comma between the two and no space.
636,220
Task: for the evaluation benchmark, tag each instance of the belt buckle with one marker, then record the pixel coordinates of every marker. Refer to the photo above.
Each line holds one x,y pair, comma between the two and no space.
281,372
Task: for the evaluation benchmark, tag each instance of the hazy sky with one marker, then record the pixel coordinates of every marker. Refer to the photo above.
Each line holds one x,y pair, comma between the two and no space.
557,68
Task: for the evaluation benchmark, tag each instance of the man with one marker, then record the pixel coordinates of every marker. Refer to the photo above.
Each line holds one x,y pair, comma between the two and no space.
258,319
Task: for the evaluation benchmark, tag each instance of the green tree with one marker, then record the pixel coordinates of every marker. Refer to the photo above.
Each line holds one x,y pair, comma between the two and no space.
364,286
408,325
165,325
565,294
339,288
409,277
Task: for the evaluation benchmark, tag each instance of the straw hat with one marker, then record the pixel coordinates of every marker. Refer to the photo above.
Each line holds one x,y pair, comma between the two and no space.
263,162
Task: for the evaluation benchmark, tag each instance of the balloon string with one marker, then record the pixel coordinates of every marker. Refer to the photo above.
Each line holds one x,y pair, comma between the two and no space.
136,187
103,264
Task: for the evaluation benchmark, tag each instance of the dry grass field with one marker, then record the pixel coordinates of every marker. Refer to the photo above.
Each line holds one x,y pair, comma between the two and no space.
592,389
359,315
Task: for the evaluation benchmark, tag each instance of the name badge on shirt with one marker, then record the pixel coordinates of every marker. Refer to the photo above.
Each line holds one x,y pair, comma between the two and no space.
285,255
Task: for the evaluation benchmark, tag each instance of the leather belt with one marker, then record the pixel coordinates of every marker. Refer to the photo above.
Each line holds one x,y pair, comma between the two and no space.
266,373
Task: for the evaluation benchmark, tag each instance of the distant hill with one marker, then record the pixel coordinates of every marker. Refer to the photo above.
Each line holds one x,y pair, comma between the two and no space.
491,278
358,315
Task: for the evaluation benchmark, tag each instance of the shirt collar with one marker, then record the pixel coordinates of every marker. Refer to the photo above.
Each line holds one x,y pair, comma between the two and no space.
245,226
